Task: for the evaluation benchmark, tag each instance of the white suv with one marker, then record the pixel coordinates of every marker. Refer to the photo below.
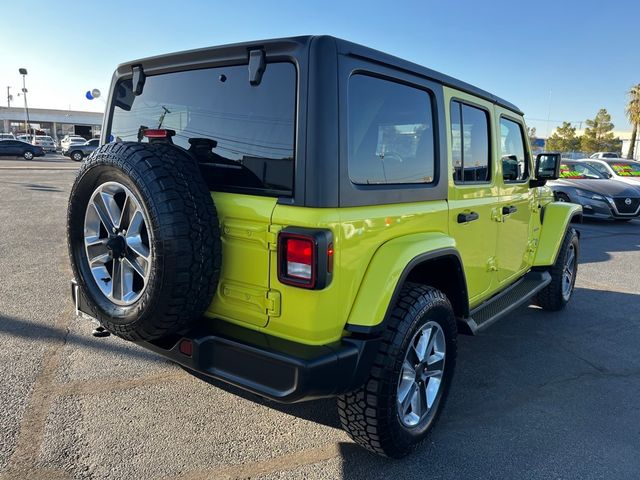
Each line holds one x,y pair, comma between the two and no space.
46,142
71,140
602,155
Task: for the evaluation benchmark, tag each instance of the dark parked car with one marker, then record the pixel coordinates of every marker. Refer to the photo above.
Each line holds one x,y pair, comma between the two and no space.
599,195
16,148
78,152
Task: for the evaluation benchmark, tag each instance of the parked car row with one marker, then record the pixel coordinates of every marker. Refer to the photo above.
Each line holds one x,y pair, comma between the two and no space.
30,146
77,151
605,187
18,148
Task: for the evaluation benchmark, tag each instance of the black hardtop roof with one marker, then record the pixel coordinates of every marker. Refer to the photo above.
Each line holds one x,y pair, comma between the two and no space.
344,47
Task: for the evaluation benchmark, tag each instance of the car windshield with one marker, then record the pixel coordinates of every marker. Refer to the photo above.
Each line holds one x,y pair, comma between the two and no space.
579,171
626,169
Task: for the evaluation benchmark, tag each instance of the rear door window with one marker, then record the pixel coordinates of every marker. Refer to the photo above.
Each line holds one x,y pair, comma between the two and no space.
470,143
242,135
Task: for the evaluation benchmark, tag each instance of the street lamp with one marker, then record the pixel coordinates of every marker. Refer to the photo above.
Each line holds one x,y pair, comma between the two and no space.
27,124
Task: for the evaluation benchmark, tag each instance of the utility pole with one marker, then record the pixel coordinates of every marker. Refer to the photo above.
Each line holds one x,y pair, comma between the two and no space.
27,125
8,97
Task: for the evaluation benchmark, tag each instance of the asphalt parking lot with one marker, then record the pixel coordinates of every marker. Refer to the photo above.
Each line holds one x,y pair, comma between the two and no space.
539,395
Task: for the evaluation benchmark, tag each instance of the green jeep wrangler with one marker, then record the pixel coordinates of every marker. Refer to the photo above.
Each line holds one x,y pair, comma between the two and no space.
307,217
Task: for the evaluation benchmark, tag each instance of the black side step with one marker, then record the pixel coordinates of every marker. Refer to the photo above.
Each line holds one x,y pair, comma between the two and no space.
506,301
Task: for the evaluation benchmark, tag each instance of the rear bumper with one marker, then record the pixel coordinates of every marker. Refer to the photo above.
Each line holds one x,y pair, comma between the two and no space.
271,367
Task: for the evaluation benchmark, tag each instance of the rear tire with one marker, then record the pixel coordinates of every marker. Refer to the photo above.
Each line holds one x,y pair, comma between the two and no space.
181,240
374,416
557,294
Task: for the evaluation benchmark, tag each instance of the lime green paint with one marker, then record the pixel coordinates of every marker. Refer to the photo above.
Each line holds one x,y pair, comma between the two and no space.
374,244
476,241
244,279
319,316
557,216
385,269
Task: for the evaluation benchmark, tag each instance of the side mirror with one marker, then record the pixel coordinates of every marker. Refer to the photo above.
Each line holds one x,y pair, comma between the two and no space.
547,168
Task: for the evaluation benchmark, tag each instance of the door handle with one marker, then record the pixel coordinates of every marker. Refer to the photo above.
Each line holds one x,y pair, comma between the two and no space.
509,210
467,217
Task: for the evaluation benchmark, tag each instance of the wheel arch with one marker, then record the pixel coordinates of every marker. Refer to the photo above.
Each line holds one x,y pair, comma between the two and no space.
556,217
439,267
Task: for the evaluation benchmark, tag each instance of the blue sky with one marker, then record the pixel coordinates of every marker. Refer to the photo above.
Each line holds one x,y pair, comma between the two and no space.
558,60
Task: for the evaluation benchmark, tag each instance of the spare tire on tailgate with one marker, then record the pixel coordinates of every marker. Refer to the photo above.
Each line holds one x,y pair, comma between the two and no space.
143,239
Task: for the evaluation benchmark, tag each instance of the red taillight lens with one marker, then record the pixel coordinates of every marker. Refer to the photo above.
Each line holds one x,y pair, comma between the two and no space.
305,257
300,258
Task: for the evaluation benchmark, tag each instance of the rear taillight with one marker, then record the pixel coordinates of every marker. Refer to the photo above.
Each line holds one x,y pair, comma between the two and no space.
305,257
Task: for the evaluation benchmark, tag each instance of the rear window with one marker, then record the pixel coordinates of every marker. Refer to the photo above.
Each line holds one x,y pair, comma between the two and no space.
242,135
626,169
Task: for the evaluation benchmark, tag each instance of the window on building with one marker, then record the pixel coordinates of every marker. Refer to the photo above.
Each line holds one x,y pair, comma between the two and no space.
390,133
469,143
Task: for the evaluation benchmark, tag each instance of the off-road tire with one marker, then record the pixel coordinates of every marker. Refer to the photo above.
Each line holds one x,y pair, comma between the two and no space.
369,415
186,246
551,297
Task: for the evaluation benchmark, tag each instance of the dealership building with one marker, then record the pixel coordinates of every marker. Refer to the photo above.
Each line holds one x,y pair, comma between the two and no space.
56,123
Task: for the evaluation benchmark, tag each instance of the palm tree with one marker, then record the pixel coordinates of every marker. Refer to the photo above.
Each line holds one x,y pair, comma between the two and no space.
633,113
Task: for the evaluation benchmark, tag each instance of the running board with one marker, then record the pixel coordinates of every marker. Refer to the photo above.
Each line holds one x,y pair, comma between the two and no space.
507,301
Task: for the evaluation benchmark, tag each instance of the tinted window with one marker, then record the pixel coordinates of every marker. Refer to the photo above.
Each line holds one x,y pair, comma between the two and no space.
626,169
599,167
515,166
390,137
94,142
469,143
578,171
242,135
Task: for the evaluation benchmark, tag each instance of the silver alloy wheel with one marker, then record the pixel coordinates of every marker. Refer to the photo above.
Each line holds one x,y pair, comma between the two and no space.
28,155
77,156
118,243
421,374
568,272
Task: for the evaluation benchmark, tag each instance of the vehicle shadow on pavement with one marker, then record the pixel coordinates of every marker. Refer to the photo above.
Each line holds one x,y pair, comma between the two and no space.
534,390
25,329
606,237
322,411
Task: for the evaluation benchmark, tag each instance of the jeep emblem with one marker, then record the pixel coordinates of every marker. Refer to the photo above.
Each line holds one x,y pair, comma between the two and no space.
627,201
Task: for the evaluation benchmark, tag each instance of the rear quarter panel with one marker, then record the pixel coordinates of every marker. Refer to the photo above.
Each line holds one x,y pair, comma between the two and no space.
390,234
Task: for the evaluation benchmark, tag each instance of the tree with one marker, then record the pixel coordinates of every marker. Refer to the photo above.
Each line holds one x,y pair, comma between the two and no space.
633,113
598,136
564,139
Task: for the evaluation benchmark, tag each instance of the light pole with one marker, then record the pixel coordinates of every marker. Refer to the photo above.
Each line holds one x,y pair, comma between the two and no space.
9,97
27,125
